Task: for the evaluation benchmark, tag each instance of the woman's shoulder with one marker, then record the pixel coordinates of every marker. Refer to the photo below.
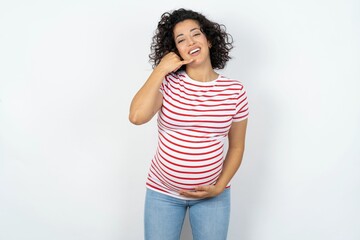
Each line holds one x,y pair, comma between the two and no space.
228,81
174,76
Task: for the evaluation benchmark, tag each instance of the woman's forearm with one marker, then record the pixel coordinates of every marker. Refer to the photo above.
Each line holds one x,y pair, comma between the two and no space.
147,100
231,165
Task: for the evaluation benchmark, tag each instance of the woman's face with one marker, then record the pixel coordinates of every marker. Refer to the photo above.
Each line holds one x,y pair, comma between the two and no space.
191,42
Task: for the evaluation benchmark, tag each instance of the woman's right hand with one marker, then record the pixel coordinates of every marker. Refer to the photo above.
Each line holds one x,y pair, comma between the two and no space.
171,62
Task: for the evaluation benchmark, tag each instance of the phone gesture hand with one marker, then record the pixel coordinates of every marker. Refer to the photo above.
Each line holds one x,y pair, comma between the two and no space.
171,62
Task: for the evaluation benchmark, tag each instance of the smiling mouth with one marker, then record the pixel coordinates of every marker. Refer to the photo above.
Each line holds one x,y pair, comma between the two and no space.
194,50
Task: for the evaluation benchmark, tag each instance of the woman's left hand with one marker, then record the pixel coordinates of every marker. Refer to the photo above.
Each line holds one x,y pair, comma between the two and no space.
202,192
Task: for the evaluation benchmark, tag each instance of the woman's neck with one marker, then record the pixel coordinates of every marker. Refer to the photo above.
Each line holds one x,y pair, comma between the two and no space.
204,74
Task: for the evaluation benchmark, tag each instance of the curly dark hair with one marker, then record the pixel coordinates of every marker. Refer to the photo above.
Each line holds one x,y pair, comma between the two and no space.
163,40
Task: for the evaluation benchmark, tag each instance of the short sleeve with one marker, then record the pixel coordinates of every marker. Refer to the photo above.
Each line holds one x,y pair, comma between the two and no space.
163,85
242,106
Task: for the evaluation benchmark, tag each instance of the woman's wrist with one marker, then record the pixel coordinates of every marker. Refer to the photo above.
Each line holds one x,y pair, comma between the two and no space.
159,71
219,188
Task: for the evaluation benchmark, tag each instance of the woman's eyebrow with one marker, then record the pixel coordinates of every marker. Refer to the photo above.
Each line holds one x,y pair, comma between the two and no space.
194,29
179,35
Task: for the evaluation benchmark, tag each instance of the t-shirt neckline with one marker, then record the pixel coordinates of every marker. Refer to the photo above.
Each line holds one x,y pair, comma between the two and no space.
183,72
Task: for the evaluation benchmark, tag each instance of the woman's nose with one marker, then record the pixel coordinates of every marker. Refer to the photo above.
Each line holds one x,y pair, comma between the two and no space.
190,41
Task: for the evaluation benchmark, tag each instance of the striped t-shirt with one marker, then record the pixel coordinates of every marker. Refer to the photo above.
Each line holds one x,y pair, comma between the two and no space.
193,124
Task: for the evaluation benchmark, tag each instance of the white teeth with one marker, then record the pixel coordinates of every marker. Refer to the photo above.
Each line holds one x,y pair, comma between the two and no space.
195,50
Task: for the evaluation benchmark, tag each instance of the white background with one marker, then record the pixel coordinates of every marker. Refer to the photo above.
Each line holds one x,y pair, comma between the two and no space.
72,166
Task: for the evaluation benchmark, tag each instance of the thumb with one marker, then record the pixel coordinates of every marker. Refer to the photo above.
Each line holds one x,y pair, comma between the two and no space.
184,62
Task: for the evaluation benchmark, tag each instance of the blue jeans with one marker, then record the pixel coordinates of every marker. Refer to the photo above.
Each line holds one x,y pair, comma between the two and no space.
164,216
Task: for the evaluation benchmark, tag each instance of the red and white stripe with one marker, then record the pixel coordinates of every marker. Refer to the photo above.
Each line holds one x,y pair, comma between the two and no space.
193,124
